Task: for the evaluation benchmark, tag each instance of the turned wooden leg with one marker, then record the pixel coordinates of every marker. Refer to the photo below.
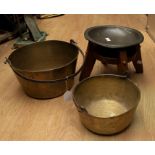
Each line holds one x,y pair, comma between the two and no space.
123,63
137,60
88,64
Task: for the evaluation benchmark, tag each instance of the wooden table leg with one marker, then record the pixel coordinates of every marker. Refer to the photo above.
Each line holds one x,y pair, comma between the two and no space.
137,60
123,63
88,64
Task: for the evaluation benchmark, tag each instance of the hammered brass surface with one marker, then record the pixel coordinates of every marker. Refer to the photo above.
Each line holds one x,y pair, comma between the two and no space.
105,108
106,103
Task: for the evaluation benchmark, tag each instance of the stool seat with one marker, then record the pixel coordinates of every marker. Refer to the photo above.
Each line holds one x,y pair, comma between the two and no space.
113,45
112,36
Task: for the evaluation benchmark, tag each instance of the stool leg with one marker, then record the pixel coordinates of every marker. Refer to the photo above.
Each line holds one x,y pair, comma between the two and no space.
88,64
137,61
123,63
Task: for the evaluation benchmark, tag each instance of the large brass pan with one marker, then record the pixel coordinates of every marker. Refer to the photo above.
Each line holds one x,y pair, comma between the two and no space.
106,103
45,69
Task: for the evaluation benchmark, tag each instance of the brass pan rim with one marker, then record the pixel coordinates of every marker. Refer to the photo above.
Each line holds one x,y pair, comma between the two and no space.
82,109
44,70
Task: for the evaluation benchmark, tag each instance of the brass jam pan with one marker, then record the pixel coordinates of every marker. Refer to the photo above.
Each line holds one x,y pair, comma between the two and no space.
46,69
106,103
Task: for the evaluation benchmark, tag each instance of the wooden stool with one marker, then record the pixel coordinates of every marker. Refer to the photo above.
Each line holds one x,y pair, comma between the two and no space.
113,45
119,57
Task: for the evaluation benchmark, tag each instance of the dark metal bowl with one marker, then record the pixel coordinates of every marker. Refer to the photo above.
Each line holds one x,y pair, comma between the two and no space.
114,36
